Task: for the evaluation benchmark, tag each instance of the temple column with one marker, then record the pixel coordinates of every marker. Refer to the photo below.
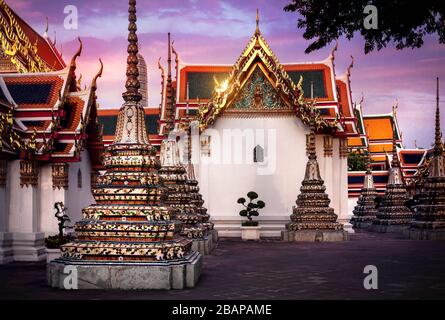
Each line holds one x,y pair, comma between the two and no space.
28,242
53,188
5,236
343,214
328,146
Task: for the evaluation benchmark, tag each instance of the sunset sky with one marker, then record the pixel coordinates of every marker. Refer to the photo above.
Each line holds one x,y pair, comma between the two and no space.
215,32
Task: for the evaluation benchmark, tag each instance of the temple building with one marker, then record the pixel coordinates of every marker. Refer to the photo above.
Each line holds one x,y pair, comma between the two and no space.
376,133
22,49
253,129
51,147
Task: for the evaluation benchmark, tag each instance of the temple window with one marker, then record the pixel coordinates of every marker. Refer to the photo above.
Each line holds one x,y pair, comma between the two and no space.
258,154
205,145
79,178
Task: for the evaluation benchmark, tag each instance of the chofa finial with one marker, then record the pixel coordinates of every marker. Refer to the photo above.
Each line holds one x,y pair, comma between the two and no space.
257,29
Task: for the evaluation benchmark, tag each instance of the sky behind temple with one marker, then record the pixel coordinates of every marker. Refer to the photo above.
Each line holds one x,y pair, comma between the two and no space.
215,32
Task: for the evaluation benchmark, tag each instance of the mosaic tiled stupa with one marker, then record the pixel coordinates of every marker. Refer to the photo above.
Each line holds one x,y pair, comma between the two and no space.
313,219
128,239
429,223
195,222
365,211
393,215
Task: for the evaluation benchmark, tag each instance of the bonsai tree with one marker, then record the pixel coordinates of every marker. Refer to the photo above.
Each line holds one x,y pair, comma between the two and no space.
54,242
251,209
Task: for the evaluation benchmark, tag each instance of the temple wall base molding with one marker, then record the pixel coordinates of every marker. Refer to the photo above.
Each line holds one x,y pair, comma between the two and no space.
314,235
6,252
271,226
164,275
29,246
426,231
347,226
388,228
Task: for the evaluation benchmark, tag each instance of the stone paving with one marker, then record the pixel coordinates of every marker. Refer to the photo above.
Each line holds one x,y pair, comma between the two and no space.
277,270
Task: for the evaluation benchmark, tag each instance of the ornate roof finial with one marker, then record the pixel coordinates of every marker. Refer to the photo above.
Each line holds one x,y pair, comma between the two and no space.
132,84
99,74
176,61
351,65
257,29
77,54
45,34
335,48
437,133
394,108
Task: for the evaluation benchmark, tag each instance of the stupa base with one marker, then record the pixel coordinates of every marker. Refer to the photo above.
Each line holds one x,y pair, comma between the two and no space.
175,274
420,230
388,227
361,224
314,235
206,245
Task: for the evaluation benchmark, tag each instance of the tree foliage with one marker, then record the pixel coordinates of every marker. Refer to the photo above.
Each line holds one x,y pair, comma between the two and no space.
401,22
251,208
357,161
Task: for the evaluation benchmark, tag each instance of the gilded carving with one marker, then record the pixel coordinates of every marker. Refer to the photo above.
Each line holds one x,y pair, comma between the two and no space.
3,172
29,173
60,175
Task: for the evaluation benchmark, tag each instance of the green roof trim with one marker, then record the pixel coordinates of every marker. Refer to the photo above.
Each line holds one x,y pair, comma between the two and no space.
314,76
201,84
109,124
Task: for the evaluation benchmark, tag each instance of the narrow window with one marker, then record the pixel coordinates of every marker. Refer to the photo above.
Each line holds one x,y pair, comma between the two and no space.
258,154
79,178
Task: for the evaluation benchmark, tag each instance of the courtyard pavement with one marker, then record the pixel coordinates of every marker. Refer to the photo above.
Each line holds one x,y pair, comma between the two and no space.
269,269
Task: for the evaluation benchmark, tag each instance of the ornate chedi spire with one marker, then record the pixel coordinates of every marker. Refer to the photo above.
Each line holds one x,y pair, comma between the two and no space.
312,218
393,214
129,239
169,112
173,173
365,211
429,221
130,126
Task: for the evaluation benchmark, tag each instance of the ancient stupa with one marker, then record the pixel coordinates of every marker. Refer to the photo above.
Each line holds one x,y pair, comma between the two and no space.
195,222
393,215
313,219
365,211
128,239
429,223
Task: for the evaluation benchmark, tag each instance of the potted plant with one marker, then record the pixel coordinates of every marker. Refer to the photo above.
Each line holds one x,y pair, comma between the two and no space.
250,230
53,243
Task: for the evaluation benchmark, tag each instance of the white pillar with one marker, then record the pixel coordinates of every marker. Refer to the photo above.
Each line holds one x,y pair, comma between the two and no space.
50,194
6,255
28,242
343,215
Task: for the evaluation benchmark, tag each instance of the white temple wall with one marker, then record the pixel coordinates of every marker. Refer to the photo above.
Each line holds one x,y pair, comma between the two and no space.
4,206
79,197
48,222
352,202
224,180
24,218
24,209
6,253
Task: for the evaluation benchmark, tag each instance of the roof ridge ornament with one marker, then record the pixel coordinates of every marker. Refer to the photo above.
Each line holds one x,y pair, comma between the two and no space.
257,29
77,54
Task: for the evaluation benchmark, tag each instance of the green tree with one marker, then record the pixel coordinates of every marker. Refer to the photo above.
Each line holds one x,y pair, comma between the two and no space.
357,161
401,22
